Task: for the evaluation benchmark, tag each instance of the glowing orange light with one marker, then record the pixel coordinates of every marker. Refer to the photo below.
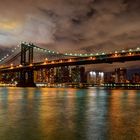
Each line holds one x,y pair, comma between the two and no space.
92,58
20,65
11,66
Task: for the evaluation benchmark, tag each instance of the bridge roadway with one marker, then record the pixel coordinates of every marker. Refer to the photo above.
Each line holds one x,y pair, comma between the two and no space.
98,59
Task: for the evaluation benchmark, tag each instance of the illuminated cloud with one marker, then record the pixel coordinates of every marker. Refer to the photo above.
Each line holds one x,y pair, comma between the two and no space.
82,26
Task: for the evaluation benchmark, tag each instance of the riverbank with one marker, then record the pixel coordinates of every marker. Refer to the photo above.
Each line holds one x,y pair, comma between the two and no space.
105,86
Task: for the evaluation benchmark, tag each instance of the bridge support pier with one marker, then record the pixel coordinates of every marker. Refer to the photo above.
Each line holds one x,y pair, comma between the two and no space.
26,79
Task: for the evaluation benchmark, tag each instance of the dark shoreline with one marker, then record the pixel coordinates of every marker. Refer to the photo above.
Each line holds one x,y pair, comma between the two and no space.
80,86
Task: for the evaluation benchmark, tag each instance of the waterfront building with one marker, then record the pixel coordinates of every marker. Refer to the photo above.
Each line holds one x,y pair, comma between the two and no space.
91,77
96,78
136,78
77,74
61,75
120,75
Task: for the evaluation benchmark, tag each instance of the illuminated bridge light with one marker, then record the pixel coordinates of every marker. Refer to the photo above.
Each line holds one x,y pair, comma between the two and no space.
138,48
11,65
91,57
130,50
20,65
130,53
44,63
115,54
123,50
94,58
31,65
97,53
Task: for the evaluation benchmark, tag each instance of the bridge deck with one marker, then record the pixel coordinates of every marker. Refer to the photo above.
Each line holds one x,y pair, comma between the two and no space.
98,59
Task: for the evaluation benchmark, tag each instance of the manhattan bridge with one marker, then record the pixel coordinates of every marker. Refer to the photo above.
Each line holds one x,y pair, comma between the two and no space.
28,62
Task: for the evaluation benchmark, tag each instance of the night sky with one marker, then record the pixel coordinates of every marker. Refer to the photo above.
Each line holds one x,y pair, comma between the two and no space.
77,26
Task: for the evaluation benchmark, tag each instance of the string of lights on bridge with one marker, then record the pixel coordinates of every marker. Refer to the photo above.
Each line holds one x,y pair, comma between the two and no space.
13,50
82,55
8,54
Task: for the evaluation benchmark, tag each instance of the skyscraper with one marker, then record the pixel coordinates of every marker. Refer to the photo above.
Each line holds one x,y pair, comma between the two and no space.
120,75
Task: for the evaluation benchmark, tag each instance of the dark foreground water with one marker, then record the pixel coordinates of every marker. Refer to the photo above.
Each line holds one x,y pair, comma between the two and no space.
69,114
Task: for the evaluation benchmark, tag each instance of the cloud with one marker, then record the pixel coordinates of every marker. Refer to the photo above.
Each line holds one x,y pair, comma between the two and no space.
71,25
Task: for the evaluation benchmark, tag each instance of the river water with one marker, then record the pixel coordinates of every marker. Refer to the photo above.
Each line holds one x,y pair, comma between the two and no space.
69,114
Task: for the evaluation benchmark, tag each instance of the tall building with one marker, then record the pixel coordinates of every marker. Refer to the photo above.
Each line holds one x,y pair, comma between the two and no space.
120,75
44,75
91,77
136,78
62,75
96,78
109,77
100,78
77,74
51,75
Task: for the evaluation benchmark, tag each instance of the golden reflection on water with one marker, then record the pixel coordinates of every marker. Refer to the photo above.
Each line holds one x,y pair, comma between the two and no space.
85,114
57,114
124,115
